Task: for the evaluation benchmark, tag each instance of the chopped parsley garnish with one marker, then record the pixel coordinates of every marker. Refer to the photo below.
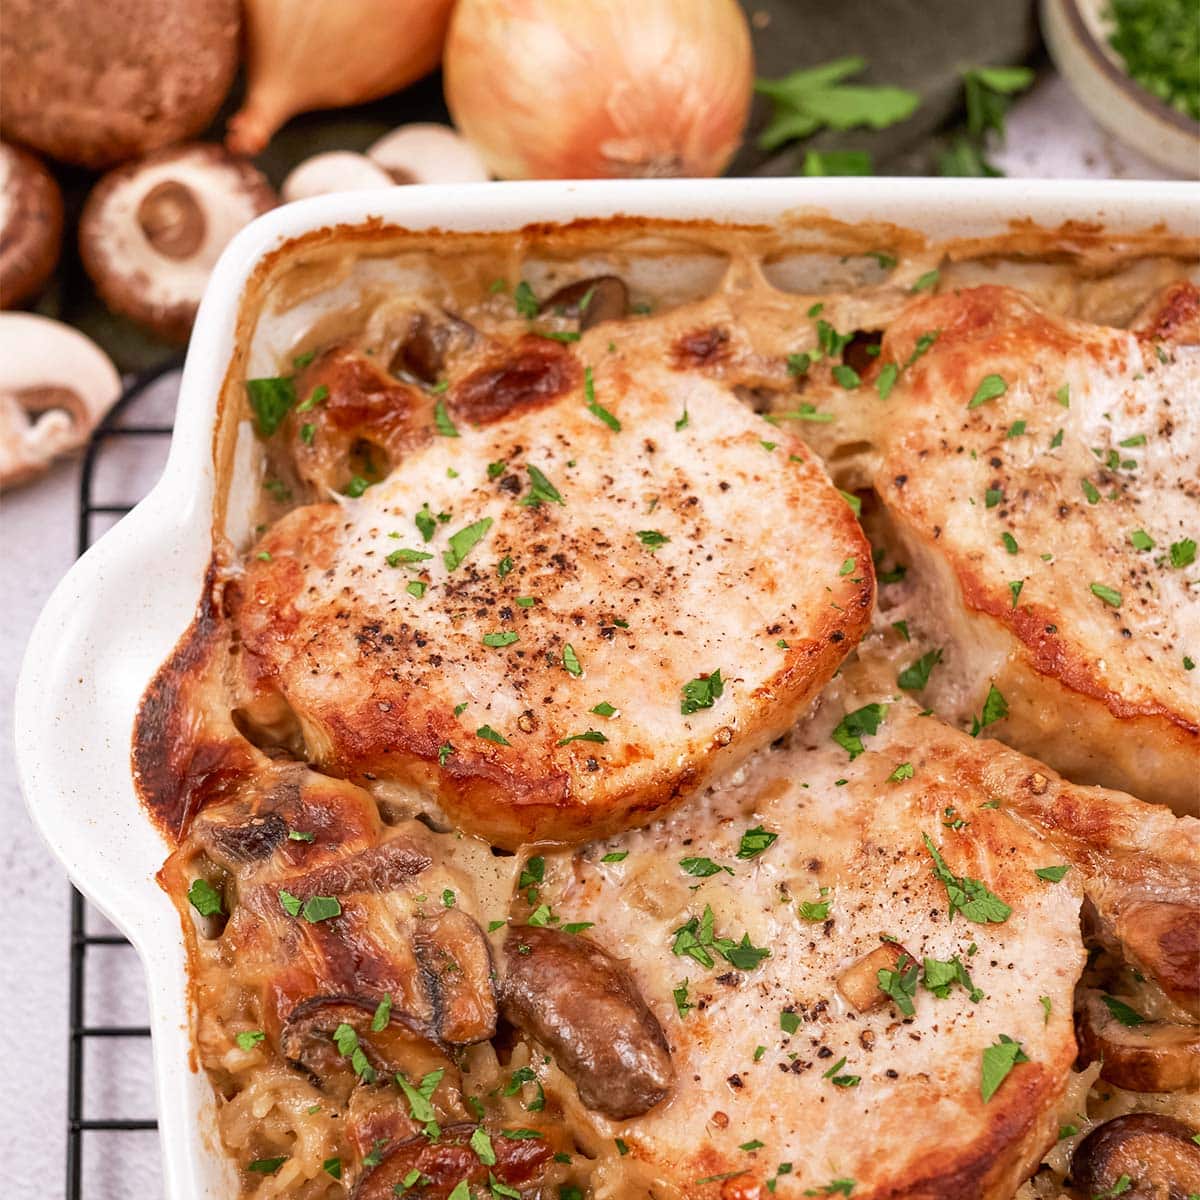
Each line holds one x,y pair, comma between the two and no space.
383,1014
1183,553
271,400
615,856
482,1145
1016,429
1127,1016
302,360
603,709
814,910
597,410
1014,588
755,841
1010,543
847,376
916,675
525,300
442,422
940,976
249,1038
652,538
397,557
332,1167
682,1004
854,725
789,1022
591,735
1063,395
205,898
682,423
504,566
966,895
490,735
902,772
308,431
900,983
505,638
888,374
702,868
852,500
695,939
541,490
1139,539
426,523
995,707
464,541
558,335
318,395
998,1061
345,1037
1056,440
701,693
1089,490
267,1166
416,588
1108,595
570,660
356,486
1052,874
520,1077
990,388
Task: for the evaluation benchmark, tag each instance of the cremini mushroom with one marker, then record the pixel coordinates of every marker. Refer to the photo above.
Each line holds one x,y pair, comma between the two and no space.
1140,1156
583,1005
97,82
55,386
152,230
333,171
601,298
31,218
1146,1056
428,153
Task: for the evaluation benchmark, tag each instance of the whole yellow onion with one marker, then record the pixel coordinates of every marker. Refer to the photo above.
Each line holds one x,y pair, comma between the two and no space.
550,89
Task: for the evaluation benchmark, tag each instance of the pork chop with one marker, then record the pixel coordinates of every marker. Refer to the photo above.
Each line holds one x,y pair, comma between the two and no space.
763,924
565,618
1043,477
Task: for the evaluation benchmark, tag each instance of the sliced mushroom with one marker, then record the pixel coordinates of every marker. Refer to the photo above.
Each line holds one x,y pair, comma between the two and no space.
1154,1056
55,386
31,220
601,298
427,153
96,83
457,960
333,171
451,1160
859,983
152,231
582,1004
1160,938
1154,1156
404,1044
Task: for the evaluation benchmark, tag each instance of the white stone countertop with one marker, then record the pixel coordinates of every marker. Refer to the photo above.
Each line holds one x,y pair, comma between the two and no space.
1049,135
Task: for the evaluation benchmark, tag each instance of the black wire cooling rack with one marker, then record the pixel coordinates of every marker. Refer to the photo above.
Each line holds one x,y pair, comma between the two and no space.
121,423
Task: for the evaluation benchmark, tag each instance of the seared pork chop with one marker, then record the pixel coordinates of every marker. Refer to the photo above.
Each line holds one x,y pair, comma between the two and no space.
563,620
845,943
1043,476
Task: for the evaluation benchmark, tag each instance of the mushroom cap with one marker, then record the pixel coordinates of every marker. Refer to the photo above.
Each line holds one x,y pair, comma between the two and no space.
152,230
55,386
99,83
428,153
31,220
333,171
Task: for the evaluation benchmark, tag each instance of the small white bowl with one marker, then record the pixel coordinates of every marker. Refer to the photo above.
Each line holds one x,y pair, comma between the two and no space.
1076,33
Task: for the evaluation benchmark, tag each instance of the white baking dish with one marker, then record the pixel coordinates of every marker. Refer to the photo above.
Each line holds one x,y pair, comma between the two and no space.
116,615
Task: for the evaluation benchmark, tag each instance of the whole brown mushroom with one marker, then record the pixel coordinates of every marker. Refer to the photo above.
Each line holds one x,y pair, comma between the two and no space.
100,83
152,230
31,219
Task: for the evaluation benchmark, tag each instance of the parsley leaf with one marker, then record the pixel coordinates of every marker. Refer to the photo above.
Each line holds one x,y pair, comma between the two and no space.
652,538
854,725
271,400
916,675
900,983
1127,1016
205,898
966,895
490,735
755,841
990,388
597,410
998,1061
464,541
541,490
442,422
815,97
701,693
1052,874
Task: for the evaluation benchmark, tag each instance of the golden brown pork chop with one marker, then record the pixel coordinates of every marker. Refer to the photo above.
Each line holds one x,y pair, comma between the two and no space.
1044,477
756,921
561,621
